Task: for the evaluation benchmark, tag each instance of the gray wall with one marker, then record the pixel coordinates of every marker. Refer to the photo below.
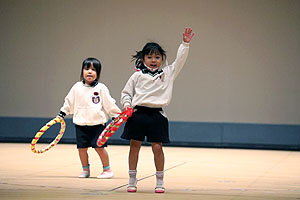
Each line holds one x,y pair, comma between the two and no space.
244,63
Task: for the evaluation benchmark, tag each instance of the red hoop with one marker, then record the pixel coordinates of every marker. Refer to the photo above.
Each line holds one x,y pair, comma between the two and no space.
113,126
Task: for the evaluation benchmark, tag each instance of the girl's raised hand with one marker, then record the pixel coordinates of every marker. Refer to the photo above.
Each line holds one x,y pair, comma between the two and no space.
188,35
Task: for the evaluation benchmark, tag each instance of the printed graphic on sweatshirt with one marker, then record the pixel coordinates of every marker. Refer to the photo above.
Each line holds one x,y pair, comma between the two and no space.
96,98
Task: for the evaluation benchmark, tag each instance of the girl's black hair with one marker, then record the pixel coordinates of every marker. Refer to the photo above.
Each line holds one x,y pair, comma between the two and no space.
88,62
149,48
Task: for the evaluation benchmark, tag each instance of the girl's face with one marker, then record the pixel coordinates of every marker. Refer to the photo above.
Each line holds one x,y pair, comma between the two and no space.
153,61
89,74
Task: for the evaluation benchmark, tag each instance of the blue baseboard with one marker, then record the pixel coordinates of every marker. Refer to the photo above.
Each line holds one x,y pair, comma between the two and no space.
182,134
236,135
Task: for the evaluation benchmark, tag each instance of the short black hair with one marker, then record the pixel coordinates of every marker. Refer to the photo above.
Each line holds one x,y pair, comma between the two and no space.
149,48
88,62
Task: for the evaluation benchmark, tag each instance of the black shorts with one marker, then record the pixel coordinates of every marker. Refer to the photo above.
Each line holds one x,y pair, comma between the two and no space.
147,122
86,136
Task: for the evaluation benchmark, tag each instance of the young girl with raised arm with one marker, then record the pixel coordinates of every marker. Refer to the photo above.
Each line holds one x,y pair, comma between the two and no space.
148,90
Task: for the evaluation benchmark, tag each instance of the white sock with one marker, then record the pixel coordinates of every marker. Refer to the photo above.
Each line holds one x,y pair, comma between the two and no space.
160,179
132,178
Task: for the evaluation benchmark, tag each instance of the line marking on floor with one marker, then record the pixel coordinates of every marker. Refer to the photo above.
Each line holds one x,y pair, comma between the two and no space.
175,166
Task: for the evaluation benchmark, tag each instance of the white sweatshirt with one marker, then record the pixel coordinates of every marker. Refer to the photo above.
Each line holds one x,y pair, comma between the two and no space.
154,90
90,105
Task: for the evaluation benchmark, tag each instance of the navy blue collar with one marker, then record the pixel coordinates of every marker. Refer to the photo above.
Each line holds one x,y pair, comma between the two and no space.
93,84
145,70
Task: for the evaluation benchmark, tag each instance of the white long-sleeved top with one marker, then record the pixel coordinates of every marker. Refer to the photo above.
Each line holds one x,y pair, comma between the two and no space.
90,105
154,90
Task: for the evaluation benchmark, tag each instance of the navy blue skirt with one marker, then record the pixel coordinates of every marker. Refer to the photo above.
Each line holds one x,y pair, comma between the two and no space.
147,123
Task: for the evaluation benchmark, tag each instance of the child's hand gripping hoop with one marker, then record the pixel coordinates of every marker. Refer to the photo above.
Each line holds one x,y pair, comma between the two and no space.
113,126
41,132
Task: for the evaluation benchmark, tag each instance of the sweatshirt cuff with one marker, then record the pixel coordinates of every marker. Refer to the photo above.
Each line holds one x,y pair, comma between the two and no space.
62,114
185,43
126,104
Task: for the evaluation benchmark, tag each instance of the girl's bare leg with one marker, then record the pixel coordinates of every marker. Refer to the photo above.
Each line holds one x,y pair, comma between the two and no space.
103,156
135,147
84,159
133,158
159,158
